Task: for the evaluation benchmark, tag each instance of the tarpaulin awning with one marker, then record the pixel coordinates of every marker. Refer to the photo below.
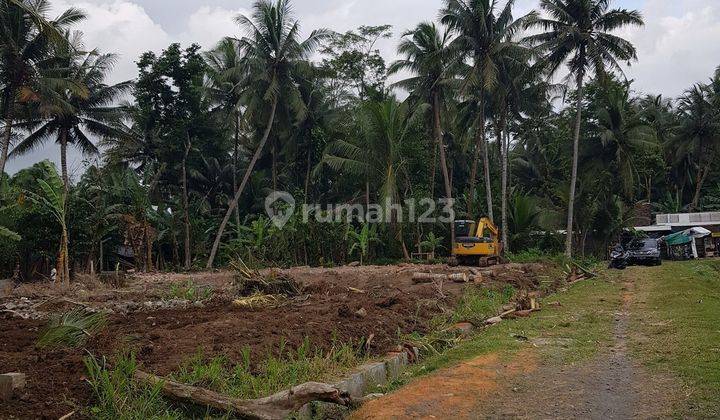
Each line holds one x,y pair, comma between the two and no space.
686,236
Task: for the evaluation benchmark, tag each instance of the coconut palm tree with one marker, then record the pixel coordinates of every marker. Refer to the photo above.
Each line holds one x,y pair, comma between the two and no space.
69,117
27,38
226,74
698,131
623,133
378,153
428,58
485,34
273,52
577,33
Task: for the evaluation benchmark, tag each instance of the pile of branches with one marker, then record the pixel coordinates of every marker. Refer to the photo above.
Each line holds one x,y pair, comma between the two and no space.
250,282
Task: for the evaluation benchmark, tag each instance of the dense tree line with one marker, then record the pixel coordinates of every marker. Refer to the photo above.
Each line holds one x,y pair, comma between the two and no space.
189,150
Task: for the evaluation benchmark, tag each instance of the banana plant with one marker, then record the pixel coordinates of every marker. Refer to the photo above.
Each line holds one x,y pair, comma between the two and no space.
53,199
432,243
361,241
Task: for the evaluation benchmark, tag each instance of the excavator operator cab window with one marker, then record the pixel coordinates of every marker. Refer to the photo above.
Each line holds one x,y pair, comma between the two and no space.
465,228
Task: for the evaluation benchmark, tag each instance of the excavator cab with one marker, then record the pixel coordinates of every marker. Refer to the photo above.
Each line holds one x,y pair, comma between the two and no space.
476,243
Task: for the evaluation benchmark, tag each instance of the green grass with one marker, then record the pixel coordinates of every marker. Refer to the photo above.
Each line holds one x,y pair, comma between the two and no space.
534,255
477,305
118,396
189,291
678,316
273,374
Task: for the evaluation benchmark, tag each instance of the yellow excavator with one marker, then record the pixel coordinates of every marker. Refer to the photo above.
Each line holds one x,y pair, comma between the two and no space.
476,243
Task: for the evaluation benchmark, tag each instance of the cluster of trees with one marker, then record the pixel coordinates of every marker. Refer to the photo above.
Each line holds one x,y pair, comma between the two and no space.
186,162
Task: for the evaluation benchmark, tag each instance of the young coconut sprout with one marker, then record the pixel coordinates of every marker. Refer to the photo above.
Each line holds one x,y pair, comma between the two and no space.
71,329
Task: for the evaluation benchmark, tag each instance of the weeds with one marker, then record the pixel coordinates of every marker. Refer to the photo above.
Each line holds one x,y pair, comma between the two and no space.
71,329
273,374
119,397
478,305
475,307
189,291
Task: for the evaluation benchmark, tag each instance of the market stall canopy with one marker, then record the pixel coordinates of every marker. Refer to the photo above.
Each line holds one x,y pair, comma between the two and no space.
686,236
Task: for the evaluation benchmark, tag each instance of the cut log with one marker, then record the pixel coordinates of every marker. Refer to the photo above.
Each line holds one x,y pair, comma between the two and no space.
277,406
430,277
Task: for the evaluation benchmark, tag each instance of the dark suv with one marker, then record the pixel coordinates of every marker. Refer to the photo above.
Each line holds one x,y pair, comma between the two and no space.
644,252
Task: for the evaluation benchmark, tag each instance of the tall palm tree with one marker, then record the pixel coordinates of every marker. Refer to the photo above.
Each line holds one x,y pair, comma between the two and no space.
378,153
428,58
623,132
698,131
273,52
577,33
485,33
27,39
69,117
226,74
516,86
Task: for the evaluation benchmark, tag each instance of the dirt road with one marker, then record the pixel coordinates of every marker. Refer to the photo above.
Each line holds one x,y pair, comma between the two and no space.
533,384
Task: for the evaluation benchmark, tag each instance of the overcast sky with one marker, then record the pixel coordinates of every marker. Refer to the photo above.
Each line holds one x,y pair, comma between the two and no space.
679,45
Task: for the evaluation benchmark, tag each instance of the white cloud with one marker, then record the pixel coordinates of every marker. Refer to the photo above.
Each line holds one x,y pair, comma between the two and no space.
208,25
675,51
121,27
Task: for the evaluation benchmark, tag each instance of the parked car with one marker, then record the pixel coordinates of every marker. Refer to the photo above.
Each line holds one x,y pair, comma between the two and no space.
644,252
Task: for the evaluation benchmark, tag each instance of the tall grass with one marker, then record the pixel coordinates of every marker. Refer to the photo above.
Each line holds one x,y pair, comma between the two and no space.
477,305
273,374
119,397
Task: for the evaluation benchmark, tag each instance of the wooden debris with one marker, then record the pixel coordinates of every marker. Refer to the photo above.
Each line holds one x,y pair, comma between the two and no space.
67,416
493,320
430,277
523,314
258,301
277,406
354,290
584,270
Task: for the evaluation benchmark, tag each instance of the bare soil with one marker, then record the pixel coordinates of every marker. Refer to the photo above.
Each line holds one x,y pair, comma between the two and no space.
166,332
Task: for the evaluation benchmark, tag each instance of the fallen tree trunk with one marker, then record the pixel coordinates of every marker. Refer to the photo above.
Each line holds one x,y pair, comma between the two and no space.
429,277
277,406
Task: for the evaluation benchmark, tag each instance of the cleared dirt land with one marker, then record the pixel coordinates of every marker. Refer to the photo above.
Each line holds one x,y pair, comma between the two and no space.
165,319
